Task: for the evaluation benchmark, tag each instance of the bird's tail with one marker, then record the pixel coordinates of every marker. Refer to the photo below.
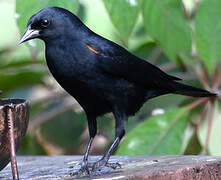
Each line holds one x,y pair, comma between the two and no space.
179,88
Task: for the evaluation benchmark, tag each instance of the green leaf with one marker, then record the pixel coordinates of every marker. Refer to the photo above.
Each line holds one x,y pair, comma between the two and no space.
18,64
26,8
194,146
123,14
144,50
11,80
207,32
160,134
165,22
214,142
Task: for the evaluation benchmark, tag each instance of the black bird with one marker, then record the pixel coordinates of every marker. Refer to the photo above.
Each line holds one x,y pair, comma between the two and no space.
101,75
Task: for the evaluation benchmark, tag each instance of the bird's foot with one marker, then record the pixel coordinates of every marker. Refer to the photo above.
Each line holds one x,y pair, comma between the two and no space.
97,168
85,169
102,163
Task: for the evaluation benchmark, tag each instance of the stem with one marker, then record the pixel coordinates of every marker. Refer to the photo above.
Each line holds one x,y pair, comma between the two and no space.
38,120
202,114
203,76
52,96
210,122
185,13
46,146
194,9
155,54
216,80
196,103
167,66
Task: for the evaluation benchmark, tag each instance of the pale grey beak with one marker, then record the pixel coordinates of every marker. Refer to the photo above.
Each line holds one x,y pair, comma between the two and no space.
29,34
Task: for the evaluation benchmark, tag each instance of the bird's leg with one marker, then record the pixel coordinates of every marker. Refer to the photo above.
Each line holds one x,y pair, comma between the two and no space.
92,125
119,133
104,160
84,163
85,158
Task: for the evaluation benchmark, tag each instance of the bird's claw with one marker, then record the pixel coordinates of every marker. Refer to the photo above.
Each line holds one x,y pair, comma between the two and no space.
97,166
93,168
113,165
84,169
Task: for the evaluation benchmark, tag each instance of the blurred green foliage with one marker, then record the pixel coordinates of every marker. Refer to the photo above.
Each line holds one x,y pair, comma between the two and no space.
183,38
165,22
161,129
207,33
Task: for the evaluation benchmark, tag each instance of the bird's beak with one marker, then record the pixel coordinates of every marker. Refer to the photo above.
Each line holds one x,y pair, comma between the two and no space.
29,34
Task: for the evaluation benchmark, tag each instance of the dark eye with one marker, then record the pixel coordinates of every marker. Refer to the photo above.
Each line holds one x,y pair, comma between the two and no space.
45,23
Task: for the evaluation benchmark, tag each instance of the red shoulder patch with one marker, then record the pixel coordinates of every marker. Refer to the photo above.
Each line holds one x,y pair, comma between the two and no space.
95,51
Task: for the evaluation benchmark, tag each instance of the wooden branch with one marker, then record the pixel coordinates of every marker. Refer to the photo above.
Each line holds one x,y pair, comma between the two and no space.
133,167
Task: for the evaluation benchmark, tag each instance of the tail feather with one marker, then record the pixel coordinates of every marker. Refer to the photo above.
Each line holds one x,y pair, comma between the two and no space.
179,88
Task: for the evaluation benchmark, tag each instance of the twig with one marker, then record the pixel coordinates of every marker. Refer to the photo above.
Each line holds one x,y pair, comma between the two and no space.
204,78
167,66
196,103
49,148
216,80
193,13
202,114
210,122
155,54
10,118
205,74
185,13
37,121
56,95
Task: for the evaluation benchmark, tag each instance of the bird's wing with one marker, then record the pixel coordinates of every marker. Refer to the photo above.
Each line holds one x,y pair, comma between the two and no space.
119,62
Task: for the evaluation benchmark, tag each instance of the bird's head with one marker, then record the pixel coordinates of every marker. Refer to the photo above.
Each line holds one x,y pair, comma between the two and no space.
49,23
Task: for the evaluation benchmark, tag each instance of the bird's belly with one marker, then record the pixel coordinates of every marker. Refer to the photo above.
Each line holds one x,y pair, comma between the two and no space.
86,95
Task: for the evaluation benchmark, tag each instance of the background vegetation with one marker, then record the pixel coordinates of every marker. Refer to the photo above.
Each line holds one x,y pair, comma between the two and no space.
183,38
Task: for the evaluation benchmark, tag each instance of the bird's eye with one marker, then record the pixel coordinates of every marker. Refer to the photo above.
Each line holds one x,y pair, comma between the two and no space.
45,23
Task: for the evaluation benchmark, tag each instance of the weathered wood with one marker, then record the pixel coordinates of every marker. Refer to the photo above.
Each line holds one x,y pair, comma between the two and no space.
133,167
